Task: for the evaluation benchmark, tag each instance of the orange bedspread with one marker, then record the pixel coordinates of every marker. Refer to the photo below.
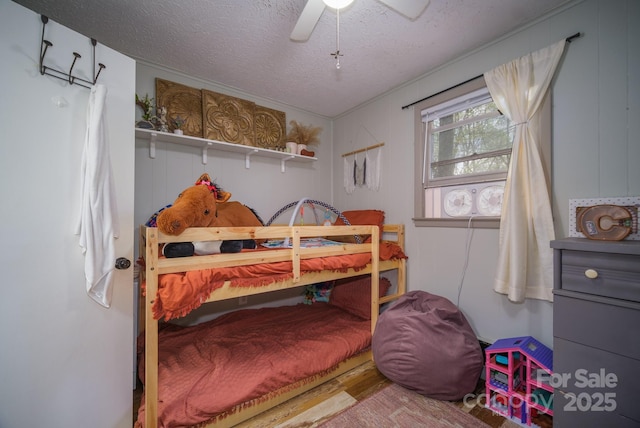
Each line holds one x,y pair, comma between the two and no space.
239,357
180,293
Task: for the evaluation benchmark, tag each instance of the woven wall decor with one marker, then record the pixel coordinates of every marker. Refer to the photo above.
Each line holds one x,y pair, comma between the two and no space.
271,128
183,101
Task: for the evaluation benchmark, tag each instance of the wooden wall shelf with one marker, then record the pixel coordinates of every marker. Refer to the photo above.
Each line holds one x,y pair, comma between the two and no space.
154,136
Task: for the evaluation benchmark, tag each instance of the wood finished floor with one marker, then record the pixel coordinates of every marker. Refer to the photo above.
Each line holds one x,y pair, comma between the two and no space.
358,383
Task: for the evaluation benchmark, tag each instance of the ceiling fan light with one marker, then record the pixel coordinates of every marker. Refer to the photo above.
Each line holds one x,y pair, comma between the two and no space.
337,4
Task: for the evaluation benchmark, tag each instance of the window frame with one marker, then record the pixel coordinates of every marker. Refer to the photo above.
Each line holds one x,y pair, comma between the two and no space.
420,156
471,99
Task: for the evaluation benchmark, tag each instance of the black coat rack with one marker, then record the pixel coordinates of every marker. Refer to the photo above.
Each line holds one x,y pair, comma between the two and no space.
69,77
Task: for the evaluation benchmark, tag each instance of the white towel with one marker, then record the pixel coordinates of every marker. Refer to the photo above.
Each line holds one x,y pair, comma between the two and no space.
98,225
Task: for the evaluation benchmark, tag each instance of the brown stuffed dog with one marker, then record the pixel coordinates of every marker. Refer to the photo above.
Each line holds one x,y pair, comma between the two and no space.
205,204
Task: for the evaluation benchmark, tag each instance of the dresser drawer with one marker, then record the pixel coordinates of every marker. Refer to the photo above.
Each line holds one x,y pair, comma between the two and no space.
610,275
594,387
599,325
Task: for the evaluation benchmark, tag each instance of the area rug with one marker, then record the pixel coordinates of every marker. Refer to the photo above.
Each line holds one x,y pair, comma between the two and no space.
395,406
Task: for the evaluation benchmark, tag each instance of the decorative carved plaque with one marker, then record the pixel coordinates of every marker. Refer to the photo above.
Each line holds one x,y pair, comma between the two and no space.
183,101
271,128
227,118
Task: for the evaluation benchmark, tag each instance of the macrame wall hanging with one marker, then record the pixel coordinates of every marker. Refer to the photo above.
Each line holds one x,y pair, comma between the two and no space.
362,170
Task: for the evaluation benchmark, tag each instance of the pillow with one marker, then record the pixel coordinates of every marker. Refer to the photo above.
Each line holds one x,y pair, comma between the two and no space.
353,295
359,218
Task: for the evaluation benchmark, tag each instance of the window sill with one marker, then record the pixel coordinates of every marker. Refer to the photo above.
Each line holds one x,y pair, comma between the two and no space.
476,223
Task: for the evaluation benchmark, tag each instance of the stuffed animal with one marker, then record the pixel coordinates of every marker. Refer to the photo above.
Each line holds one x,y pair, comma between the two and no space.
205,204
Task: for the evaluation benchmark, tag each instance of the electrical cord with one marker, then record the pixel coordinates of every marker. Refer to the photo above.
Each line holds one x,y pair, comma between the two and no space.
466,259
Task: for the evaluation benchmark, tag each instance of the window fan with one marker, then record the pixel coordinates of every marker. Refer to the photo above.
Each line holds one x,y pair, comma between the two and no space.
477,200
313,10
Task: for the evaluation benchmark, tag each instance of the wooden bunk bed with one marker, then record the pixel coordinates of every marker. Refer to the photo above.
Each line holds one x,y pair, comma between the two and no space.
301,268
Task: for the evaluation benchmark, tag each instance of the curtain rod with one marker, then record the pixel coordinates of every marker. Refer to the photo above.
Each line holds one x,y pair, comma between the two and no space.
568,40
375,146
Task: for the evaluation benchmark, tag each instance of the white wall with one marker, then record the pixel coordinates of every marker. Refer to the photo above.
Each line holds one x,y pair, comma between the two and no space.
596,151
65,361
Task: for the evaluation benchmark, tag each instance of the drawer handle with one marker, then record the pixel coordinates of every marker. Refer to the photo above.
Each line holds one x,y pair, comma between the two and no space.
591,273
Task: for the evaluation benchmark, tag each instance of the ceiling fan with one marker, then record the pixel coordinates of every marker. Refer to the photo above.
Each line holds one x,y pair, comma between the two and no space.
313,10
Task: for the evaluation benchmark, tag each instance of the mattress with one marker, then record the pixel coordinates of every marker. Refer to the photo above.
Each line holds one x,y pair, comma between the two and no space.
180,293
244,356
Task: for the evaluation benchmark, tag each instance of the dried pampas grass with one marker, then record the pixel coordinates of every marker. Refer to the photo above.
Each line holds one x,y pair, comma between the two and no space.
303,134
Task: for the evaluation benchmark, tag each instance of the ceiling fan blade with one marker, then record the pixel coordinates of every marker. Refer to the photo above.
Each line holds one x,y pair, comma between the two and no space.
409,8
307,21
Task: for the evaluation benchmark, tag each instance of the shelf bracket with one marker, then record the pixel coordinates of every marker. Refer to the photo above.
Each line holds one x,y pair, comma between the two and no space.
283,162
205,153
152,145
247,158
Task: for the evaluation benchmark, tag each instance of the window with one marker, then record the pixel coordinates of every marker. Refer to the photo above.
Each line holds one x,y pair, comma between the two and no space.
467,140
463,149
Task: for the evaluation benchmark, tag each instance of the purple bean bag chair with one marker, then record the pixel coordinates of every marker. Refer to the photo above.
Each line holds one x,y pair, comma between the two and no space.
424,343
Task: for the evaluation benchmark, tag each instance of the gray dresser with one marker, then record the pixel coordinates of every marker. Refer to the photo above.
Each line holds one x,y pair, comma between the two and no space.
596,333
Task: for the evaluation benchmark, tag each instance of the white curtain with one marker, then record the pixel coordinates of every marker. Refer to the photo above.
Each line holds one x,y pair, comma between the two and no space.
525,259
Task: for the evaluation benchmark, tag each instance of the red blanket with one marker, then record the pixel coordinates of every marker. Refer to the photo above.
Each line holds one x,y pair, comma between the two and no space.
180,293
239,357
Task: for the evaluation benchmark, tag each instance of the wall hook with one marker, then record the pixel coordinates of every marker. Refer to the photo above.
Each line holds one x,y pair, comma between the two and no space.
101,65
47,44
94,42
69,77
76,55
44,45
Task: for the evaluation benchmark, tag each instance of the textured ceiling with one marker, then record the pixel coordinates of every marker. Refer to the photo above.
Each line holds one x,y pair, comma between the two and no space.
245,44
